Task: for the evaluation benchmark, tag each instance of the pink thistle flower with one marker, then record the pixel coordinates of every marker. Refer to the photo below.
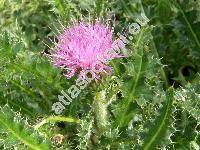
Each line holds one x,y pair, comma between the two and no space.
83,47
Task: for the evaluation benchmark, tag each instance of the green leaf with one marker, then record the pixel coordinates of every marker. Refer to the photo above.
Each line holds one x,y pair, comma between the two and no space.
14,130
188,99
158,130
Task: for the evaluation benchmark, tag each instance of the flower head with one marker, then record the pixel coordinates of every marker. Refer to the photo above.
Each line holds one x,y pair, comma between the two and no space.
83,47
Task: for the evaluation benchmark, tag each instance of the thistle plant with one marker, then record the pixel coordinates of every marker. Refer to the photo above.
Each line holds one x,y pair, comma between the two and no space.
147,100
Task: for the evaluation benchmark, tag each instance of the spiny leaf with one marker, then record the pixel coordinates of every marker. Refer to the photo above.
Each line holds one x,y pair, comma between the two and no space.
85,133
189,24
16,131
157,132
188,98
